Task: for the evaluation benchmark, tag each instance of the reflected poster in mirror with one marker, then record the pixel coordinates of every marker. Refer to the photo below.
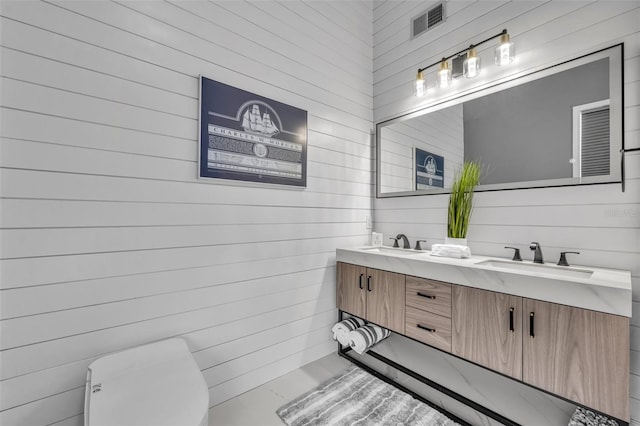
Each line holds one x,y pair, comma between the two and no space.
429,169
557,126
248,137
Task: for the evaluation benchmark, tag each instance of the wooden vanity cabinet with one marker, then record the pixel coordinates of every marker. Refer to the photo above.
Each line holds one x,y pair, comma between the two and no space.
487,329
375,295
575,353
579,354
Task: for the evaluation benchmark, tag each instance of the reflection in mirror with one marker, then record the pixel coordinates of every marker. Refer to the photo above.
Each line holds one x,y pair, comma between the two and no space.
559,126
445,139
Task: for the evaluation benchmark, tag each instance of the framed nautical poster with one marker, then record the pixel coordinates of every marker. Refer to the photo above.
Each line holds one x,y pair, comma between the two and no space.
247,137
429,169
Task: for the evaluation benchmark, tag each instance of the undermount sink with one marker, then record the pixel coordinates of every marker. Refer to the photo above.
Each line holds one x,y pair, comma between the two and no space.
392,251
537,268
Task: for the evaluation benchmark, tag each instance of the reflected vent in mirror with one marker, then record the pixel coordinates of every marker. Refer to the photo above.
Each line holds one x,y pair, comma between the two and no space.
427,20
592,139
595,142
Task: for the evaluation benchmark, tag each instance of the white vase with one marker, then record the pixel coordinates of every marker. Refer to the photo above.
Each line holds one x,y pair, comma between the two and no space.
456,241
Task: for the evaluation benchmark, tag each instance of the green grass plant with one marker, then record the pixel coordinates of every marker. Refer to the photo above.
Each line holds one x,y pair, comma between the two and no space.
461,199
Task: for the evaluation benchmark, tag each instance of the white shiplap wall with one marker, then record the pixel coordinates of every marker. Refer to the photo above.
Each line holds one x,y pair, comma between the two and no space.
109,240
599,221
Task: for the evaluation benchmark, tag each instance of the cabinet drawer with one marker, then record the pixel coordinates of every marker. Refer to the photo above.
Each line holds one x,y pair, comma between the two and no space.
416,325
429,295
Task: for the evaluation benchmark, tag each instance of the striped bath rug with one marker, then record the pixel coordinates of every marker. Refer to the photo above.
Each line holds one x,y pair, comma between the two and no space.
357,398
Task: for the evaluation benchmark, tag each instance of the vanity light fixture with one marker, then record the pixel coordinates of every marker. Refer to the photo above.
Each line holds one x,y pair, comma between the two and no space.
471,65
420,86
443,76
505,53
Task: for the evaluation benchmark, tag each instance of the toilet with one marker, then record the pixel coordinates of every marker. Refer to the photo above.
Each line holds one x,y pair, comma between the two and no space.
158,384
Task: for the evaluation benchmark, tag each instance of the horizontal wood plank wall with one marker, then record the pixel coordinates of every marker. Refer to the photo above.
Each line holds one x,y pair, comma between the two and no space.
599,221
108,240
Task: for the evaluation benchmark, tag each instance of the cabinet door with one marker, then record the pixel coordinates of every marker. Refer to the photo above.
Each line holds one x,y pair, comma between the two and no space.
579,354
487,329
385,299
350,289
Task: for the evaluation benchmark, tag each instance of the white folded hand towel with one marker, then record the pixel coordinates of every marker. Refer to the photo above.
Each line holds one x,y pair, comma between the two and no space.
342,329
363,338
450,250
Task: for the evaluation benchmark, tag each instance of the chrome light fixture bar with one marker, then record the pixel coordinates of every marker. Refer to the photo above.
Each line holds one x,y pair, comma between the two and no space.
504,54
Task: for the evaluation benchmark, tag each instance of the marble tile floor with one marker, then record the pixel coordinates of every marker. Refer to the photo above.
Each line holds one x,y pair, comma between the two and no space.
258,406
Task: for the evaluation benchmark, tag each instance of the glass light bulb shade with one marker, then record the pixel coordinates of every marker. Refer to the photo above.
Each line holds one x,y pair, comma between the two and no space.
443,76
471,66
420,85
505,52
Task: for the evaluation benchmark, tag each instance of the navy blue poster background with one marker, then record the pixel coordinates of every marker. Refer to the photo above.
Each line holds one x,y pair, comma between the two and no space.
247,137
429,170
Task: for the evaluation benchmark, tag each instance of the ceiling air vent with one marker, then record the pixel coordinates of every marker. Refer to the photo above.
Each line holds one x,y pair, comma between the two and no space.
427,20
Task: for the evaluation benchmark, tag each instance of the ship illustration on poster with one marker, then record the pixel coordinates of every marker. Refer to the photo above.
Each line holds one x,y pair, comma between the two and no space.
254,123
430,165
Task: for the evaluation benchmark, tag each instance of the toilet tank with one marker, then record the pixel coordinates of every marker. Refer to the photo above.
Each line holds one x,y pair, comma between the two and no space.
158,384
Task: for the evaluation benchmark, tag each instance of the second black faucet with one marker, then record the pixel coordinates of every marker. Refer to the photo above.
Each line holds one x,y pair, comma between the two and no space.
405,240
537,256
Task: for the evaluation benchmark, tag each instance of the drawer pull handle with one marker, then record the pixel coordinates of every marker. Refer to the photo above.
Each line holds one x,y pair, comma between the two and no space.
426,295
360,281
430,330
369,283
511,327
531,333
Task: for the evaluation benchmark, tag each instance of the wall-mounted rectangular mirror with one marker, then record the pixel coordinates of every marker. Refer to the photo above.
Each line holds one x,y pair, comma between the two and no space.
555,127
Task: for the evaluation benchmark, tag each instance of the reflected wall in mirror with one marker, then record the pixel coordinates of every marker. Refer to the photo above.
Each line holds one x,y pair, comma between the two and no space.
554,127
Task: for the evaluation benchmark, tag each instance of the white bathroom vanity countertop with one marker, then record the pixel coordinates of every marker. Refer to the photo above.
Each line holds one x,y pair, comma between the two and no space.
603,290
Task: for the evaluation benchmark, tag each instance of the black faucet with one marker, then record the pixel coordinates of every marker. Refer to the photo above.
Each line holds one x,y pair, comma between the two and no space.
516,254
563,257
537,257
405,240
